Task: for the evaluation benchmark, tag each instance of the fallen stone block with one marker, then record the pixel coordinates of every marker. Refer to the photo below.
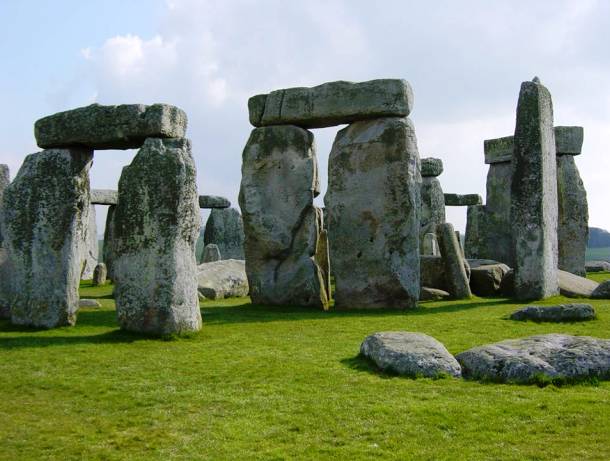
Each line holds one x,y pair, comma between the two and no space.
486,280
432,294
222,279
597,266
574,286
602,291
559,313
93,303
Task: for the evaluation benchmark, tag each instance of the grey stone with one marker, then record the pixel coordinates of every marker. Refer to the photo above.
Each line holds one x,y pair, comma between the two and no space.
431,167
597,266
333,103
323,258
222,279
44,226
99,274
573,224
453,261
104,197
110,127
213,201
574,286
485,280
602,291
108,253
410,354
5,180
281,225
5,284
499,150
534,195
432,206
526,360
91,303
558,313
432,294
507,286
430,245
154,267
463,200
433,273
225,228
210,253
90,246
474,263
373,252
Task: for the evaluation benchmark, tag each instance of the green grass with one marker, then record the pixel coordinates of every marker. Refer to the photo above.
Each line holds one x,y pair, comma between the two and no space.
598,254
285,383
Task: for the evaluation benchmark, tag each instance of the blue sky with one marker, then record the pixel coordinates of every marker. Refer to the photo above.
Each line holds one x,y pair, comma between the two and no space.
465,61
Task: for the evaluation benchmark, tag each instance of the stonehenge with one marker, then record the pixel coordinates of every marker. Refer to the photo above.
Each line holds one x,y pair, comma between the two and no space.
225,229
432,204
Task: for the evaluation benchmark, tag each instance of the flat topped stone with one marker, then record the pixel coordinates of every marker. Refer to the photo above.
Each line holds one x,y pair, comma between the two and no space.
597,266
110,127
568,141
559,313
431,167
104,197
463,200
213,201
333,103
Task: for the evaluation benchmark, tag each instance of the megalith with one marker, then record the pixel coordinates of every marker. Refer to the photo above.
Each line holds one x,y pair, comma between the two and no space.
281,224
4,261
155,226
432,198
534,195
45,214
211,253
225,229
108,253
456,277
373,203
90,246
5,180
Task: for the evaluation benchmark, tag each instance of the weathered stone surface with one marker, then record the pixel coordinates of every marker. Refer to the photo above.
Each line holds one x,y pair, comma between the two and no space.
323,256
281,225
90,303
453,261
108,253
574,286
499,150
430,245
432,206
213,201
431,167
156,225
210,253
223,279
5,284
474,263
463,200
485,280
507,286
432,272
526,360
432,294
559,313
104,197
99,274
573,224
374,255
534,195
410,354
90,246
5,180
333,103
225,228
597,266
44,225
602,291
110,127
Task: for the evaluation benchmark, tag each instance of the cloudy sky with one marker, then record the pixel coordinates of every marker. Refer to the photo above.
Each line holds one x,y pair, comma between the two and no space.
465,61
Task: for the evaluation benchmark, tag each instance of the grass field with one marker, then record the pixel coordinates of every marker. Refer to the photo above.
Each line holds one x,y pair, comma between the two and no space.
284,383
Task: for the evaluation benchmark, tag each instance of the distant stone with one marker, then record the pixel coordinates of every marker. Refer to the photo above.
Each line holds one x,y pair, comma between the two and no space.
597,266
453,262
474,263
432,207
213,201
104,197
568,140
5,180
333,103
225,228
431,167
432,272
5,285
536,80
573,286
94,303
99,274
110,127
432,294
108,253
410,354
222,279
210,254
44,223
526,360
486,280
602,291
90,246
559,313
430,245
463,200
156,226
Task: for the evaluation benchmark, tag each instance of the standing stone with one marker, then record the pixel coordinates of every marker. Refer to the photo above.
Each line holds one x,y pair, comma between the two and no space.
90,246
281,225
453,261
430,245
108,251
374,205
99,274
156,225
211,253
45,212
225,228
4,261
432,197
534,195
5,180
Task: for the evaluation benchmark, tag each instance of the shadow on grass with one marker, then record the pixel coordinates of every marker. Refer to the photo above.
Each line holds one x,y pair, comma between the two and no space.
114,336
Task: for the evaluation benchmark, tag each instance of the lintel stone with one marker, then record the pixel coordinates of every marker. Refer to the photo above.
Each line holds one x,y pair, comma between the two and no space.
463,200
213,201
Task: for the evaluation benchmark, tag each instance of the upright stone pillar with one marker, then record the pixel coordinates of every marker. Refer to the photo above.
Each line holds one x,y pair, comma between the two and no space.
225,228
456,276
534,195
5,180
432,198
90,246
281,224
4,262
373,202
156,225
45,213
108,251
